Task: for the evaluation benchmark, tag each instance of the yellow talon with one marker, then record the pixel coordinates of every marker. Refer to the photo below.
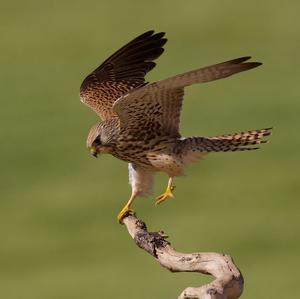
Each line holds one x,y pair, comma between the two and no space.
124,212
165,195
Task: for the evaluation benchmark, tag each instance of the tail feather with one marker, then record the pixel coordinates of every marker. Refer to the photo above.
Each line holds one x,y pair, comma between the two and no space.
246,135
242,141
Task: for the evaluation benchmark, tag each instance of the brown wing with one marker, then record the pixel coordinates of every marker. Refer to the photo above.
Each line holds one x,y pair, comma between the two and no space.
157,106
121,72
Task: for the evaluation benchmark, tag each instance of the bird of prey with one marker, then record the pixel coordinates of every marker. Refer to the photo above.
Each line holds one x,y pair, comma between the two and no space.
140,120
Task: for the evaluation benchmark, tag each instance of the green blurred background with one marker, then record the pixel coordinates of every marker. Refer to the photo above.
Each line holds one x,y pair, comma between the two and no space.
58,205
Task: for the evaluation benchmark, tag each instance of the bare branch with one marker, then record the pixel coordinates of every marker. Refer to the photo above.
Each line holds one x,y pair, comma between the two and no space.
228,283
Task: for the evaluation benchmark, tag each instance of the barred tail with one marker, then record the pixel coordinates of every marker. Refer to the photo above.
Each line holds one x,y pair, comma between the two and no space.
243,141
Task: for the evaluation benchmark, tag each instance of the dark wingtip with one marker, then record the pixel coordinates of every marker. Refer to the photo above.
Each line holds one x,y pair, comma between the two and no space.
152,34
252,65
159,34
241,59
147,33
249,64
256,64
163,41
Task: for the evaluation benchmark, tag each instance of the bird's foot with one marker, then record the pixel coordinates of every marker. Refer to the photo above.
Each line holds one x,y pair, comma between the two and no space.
165,195
123,213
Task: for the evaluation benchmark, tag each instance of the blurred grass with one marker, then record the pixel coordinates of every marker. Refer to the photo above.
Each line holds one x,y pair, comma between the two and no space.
59,235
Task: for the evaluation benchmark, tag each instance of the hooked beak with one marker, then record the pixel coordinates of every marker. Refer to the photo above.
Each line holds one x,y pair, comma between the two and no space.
94,152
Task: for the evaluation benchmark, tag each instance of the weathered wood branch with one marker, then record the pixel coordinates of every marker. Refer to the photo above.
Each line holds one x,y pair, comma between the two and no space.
228,283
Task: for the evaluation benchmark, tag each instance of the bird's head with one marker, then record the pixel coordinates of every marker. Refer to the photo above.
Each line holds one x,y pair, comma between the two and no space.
97,142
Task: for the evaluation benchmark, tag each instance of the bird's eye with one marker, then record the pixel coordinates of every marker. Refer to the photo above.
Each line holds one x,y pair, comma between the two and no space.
97,141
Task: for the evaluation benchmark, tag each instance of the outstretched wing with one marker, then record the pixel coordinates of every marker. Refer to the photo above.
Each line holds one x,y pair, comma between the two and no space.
121,72
157,106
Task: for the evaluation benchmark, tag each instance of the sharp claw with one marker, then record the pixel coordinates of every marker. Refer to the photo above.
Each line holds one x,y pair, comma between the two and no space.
165,196
124,213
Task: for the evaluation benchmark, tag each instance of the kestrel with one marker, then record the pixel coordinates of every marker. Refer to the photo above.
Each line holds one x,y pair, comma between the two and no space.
140,120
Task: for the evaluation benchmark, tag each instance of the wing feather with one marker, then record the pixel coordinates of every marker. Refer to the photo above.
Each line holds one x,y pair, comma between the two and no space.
121,72
157,106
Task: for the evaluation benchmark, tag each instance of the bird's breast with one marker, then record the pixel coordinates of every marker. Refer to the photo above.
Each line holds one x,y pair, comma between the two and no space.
157,155
166,162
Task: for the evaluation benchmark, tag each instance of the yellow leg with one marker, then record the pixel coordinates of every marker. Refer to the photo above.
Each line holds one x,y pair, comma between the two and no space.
126,210
168,193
